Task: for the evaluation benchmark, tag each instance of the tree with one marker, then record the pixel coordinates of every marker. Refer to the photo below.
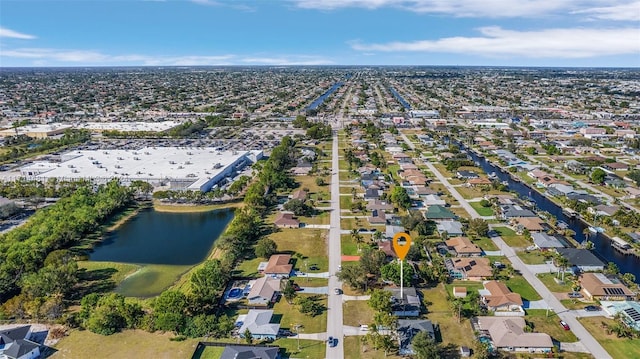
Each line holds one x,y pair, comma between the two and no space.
266,247
611,268
248,337
479,226
380,301
424,346
371,260
288,291
308,306
354,276
357,237
562,264
391,272
298,207
169,311
598,175
208,281
400,197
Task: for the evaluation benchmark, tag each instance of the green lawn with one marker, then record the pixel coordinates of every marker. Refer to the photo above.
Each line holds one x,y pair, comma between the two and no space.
290,315
151,280
357,312
113,272
312,349
348,246
520,285
486,244
471,286
616,347
483,211
511,238
532,257
550,325
345,202
85,344
439,312
208,352
548,280
354,349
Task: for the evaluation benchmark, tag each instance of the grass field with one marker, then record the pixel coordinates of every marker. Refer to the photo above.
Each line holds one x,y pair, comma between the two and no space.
290,315
550,325
345,202
470,285
440,313
616,347
548,280
353,349
151,280
486,244
483,211
114,272
208,353
160,207
532,257
85,344
520,285
312,349
349,247
511,238
357,312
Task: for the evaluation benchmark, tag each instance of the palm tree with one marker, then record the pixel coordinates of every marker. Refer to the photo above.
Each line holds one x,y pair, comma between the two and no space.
562,264
356,236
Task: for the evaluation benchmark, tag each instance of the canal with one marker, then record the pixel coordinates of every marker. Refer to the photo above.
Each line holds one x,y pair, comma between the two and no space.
602,243
317,102
400,99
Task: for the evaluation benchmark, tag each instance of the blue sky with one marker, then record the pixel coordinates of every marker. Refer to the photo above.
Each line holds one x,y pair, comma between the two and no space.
320,32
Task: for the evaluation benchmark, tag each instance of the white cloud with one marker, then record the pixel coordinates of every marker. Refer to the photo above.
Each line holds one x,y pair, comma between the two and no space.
549,43
52,57
87,57
4,32
619,12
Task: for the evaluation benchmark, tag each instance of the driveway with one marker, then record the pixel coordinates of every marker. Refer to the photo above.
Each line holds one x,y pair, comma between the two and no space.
535,304
542,268
315,290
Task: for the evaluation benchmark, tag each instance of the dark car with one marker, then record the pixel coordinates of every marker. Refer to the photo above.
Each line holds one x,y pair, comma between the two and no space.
564,325
296,287
314,267
592,308
333,342
575,295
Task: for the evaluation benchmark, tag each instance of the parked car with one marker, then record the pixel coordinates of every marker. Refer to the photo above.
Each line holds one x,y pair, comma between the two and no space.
575,295
337,290
296,287
333,342
564,325
592,308
314,267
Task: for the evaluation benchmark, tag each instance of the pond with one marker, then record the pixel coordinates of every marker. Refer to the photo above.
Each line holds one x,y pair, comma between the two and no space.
164,244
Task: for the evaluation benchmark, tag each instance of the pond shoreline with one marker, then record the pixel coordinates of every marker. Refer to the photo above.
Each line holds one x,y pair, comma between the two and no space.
186,208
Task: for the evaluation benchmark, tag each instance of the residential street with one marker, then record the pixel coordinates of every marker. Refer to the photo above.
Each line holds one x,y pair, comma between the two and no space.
568,316
334,313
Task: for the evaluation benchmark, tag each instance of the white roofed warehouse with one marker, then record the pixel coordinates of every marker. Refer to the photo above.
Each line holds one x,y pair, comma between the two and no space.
178,168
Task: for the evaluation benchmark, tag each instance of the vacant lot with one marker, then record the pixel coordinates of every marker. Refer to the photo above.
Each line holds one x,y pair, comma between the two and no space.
439,312
520,285
353,349
550,325
616,347
483,211
289,315
357,312
85,344
532,257
549,280
511,238
312,349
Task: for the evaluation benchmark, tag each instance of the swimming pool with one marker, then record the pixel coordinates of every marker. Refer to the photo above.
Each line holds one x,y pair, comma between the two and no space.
235,293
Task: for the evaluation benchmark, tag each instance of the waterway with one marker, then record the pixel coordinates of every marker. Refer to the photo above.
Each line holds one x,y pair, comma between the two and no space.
602,243
317,102
400,99
163,244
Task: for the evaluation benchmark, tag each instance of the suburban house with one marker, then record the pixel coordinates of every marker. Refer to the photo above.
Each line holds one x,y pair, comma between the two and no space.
407,329
379,205
299,194
509,211
466,174
615,166
463,247
258,322
629,310
597,286
603,210
472,182
406,306
497,298
372,193
507,333
387,248
545,242
15,343
439,213
250,352
286,220
377,217
264,291
433,200
278,266
473,268
452,228
531,224
560,189
582,260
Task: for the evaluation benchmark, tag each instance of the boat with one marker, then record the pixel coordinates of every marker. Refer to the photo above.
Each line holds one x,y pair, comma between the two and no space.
620,245
479,154
569,212
562,225
596,229
492,175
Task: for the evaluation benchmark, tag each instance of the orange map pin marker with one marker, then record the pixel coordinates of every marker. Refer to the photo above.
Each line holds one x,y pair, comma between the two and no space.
401,249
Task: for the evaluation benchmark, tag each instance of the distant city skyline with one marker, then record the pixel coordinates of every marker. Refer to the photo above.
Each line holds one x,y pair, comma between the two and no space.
554,33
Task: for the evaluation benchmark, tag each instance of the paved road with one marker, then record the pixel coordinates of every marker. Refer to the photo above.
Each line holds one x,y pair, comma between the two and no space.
568,316
334,313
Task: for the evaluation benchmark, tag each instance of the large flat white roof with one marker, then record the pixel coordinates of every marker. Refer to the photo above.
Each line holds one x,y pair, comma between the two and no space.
129,126
37,128
149,163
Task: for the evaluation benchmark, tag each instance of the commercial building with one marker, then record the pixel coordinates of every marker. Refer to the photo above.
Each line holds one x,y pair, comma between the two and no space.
35,131
178,168
99,127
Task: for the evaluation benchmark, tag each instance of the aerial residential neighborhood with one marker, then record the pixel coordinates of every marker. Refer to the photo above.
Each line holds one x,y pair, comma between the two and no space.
304,179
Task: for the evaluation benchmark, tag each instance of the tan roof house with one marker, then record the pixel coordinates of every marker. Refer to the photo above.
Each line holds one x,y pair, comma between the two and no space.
507,333
299,194
278,266
475,268
286,220
501,300
263,291
599,286
463,247
459,292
